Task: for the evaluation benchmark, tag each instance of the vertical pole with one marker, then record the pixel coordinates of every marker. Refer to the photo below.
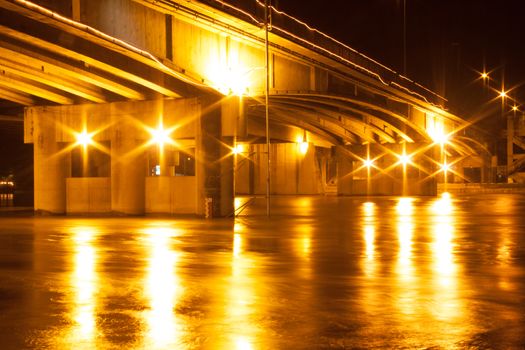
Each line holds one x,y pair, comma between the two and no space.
510,141
405,38
267,93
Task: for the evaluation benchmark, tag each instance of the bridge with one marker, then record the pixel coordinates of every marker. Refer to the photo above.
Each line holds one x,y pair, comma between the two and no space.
148,106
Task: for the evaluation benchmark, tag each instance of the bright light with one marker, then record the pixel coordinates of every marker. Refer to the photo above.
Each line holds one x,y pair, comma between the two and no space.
502,94
368,162
303,147
229,80
484,75
83,138
404,159
514,108
436,129
160,136
445,167
238,149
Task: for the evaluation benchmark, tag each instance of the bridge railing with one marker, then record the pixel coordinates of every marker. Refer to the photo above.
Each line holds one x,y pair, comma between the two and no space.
300,32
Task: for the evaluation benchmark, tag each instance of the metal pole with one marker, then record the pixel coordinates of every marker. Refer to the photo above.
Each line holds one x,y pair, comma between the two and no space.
405,38
267,93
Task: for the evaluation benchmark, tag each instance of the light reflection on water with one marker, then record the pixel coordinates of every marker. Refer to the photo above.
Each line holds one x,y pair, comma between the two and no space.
377,272
84,281
163,287
241,295
405,227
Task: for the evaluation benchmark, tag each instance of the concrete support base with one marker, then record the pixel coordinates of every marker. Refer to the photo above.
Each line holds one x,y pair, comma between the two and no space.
294,169
50,162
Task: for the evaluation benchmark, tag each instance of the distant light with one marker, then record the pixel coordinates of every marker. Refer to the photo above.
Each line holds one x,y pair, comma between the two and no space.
502,94
404,159
484,75
303,147
368,163
238,149
514,108
160,136
445,167
157,170
83,138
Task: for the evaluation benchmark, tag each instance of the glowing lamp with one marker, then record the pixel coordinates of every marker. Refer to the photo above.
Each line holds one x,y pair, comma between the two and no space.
502,94
484,75
404,159
160,136
238,149
514,108
368,163
83,138
445,167
303,147
440,138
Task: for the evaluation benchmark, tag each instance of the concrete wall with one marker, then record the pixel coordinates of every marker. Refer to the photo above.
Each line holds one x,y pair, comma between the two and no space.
88,195
127,20
291,171
171,195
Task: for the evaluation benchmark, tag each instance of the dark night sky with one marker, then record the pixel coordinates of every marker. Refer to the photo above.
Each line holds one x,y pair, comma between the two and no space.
447,40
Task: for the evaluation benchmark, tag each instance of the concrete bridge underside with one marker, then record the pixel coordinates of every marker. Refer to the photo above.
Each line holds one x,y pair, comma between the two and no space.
120,72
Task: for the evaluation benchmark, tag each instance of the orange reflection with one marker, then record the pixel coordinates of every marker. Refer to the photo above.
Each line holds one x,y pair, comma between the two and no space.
405,229
406,286
504,254
241,294
445,278
162,288
369,210
84,282
302,246
305,206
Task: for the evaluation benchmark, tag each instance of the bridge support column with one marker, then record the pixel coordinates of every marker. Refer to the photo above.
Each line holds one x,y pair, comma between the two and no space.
214,169
128,173
344,172
49,162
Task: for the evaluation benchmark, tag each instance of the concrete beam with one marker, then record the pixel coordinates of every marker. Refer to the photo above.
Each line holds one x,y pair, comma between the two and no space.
16,96
75,70
102,53
13,82
56,82
46,78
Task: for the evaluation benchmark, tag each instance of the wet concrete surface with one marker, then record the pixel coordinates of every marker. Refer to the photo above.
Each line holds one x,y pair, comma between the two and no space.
321,273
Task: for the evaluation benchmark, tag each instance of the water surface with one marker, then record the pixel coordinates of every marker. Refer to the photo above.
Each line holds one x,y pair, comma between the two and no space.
322,272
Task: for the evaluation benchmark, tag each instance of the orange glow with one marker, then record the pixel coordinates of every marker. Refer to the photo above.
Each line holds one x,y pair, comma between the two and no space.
484,75
445,167
84,138
229,75
503,94
303,147
160,136
514,108
404,159
368,163
238,149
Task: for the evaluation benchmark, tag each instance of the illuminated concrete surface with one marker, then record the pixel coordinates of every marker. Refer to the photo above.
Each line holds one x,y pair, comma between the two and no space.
323,272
